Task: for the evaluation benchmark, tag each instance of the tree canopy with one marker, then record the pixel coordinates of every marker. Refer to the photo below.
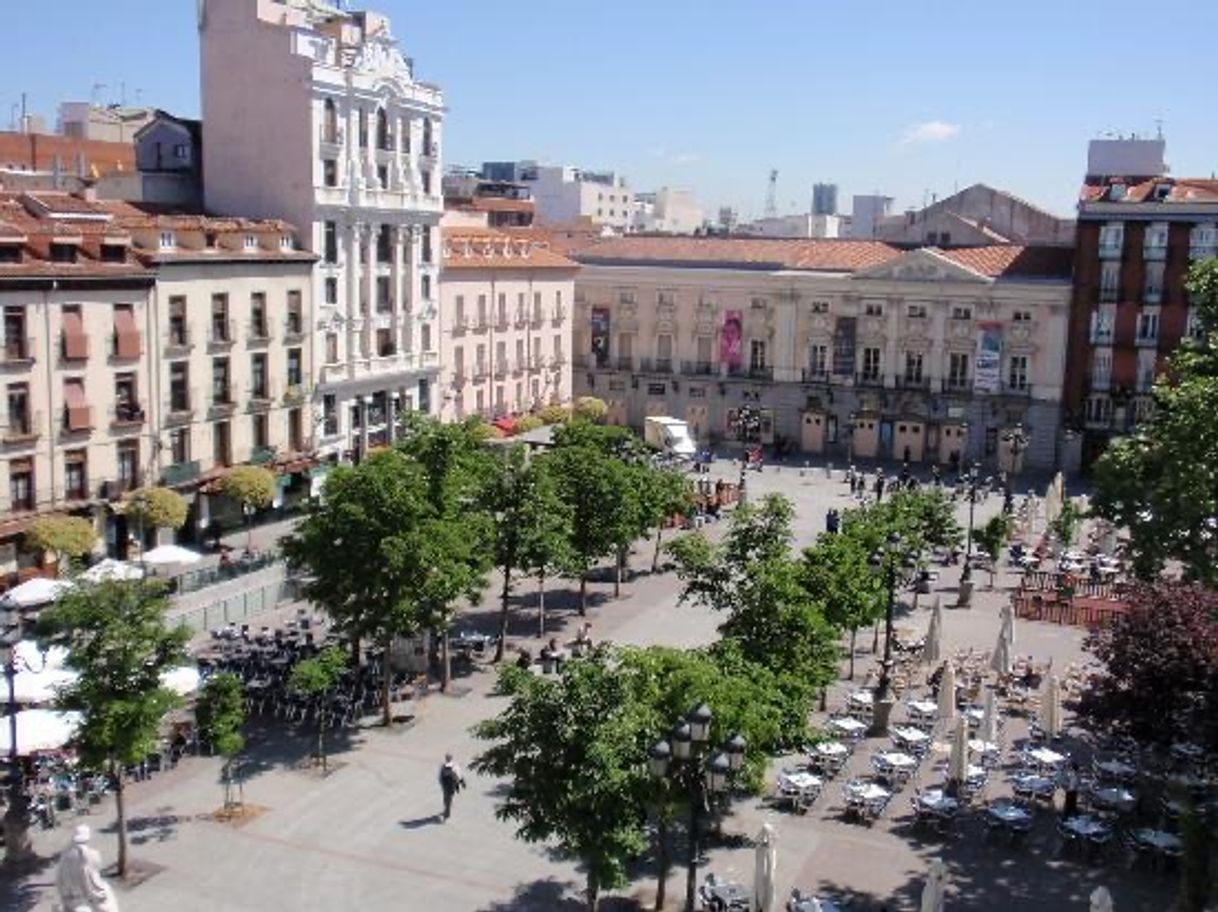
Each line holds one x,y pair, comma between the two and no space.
65,536
250,485
160,508
220,713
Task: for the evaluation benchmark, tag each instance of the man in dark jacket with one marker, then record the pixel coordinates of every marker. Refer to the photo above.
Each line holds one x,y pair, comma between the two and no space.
451,781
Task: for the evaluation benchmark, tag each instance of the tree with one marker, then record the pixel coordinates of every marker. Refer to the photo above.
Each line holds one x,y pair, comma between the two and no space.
589,483
220,713
315,678
571,749
63,536
590,408
156,507
836,573
251,486
1158,682
545,533
119,645
554,414
1160,482
666,493
365,549
529,423
993,537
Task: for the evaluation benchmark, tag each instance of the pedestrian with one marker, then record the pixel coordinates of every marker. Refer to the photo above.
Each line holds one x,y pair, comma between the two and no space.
1070,784
451,782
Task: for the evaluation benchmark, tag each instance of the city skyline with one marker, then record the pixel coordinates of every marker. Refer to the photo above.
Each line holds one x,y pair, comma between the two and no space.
714,103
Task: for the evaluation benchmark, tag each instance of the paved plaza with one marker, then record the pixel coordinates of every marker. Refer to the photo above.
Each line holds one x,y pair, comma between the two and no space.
367,836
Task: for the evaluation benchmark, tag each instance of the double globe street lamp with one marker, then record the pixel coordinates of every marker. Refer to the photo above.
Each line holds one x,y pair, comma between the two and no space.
16,817
896,563
685,764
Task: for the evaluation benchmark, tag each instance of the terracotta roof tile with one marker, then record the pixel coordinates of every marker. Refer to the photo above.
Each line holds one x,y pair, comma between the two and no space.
1014,261
748,253
481,248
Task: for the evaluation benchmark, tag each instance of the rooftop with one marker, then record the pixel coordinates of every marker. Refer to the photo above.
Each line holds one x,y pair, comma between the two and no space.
482,248
1166,190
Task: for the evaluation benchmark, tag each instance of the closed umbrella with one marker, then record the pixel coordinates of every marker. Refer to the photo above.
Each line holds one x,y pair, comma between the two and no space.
933,893
1050,717
1000,661
934,636
957,764
1101,900
763,874
171,554
1007,630
40,730
989,721
36,591
947,693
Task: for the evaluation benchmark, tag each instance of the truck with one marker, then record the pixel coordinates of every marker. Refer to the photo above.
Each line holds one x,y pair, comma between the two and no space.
670,436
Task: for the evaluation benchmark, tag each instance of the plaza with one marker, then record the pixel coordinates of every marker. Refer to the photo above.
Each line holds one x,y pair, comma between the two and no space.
368,836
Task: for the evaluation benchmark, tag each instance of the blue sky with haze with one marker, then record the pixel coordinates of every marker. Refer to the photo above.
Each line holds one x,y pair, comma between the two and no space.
906,98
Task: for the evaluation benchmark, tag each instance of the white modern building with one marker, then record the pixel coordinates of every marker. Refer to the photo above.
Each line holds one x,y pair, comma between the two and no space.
564,193
867,211
311,114
799,225
667,211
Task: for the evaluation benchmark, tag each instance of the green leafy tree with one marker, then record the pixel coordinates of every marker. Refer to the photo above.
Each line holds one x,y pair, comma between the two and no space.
529,423
590,408
64,536
157,508
589,483
220,713
1160,482
251,486
571,749
993,537
545,527
1064,526
554,414
316,678
837,574
378,517
119,645
665,494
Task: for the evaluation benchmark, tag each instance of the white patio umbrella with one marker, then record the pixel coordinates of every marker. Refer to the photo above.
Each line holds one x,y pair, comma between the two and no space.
36,591
110,569
933,893
183,680
934,636
40,730
26,654
989,720
1000,660
1050,716
947,693
171,554
957,764
38,688
763,874
1101,900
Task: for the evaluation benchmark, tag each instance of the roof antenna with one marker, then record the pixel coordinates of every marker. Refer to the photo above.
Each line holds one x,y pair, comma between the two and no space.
1159,128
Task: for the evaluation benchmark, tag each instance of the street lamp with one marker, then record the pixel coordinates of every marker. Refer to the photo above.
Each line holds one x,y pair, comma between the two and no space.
1016,441
747,427
966,576
890,559
17,846
685,765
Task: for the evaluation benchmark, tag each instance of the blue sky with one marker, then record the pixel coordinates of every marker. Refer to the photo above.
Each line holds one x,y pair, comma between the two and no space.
904,97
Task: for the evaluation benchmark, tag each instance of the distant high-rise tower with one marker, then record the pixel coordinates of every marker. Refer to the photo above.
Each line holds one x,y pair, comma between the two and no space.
824,199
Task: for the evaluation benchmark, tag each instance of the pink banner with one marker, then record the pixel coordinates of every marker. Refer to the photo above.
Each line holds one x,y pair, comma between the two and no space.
731,339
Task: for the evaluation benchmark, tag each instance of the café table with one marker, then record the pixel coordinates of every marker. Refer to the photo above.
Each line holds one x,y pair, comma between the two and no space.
1094,831
1009,815
922,711
910,739
861,698
986,749
1113,798
1045,758
894,763
1031,785
1158,841
1115,769
851,728
866,798
727,895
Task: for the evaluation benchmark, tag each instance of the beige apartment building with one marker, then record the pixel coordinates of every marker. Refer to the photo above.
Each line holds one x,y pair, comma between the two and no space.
852,349
143,349
505,324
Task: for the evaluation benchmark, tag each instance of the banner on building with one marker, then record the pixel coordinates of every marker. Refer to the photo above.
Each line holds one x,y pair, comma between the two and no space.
600,336
844,332
731,339
987,376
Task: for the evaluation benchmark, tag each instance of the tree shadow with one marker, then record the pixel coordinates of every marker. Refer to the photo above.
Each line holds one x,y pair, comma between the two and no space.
160,826
22,890
551,895
273,745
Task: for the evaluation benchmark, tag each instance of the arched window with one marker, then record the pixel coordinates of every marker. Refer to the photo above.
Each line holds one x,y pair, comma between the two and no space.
330,121
383,139
427,150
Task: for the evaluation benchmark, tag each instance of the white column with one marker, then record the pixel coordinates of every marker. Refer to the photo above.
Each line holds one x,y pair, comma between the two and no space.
393,405
352,230
355,177
365,405
411,263
370,234
400,168
400,316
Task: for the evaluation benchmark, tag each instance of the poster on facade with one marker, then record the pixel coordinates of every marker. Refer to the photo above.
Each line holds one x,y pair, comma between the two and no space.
731,339
844,332
600,335
987,376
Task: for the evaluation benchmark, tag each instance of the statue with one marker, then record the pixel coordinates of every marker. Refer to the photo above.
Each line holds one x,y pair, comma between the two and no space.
78,878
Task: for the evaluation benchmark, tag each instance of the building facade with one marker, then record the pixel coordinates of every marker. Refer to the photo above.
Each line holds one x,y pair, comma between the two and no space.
564,193
505,324
977,216
667,211
312,114
852,349
1137,237
824,199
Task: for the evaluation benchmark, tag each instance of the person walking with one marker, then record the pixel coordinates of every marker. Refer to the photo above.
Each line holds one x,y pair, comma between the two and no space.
1070,785
451,781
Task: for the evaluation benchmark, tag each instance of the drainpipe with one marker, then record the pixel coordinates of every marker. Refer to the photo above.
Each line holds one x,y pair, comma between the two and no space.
46,322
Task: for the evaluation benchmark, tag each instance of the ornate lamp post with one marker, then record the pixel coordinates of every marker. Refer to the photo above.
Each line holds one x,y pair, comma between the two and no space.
17,846
890,560
1017,442
748,429
686,766
971,490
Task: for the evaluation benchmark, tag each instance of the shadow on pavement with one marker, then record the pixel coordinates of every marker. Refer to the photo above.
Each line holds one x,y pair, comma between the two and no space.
552,895
23,895
420,822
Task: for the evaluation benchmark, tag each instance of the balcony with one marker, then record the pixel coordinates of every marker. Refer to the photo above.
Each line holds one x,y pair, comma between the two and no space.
656,366
700,368
537,319
459,326
502,323
518,367
811,375
522,319
261,455
867,379
22,429
1109,295
127,416
258,333
260,399
293,330
501,369
958,384
222,406
1100,335
459,377
913,382
331,136
1154,252
221,334
1152,295
115,488
295,394
180,473
77,420
1101,383
560,314
1018,390
624,363
1110,250
761,372
479,372
480,324
177,341
1147,341
17,352
178,410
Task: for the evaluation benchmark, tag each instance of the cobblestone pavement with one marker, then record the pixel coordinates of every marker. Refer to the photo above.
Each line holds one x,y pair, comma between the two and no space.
367,835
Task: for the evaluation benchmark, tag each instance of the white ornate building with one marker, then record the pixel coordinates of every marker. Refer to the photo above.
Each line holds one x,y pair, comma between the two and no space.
311,114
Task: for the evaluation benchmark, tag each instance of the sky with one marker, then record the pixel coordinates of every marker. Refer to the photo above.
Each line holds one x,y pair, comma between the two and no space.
910,98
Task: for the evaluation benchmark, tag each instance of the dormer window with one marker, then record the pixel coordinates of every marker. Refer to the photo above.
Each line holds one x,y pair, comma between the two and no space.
251,242
209,240
113,253
63,253
10,253
285,242
168,241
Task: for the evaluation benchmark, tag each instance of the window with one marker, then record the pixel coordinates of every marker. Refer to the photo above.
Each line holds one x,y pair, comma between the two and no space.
459,361
179,445
330,242
331,290
167,240
818,360
295,430
916,311
558,348
63,253
1148,326
329,173
384,244
757,355
1101,368
331,348
913,368
1203,241
260,427
871,365
295,315
1017,372
258,327
962,313
1021,316
362,126
428,147
75,342
957,371
126,398
820,307
220,330
425,176
77,413
1152,292
10,253
16,343
19,419
384,138
382,177
425,337
285,242
295,369
384,343
329,413
220,390
113,253
425,254
128,464
384,294
259,380
251,242
1155,244
21,484
1194,329
1110,281
329,125
179,386
425,288
76,480
222,444
1112,238
1099,409
873,310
